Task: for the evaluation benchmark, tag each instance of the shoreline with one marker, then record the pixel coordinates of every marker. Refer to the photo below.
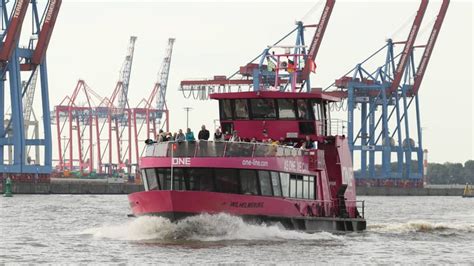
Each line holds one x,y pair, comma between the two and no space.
103,187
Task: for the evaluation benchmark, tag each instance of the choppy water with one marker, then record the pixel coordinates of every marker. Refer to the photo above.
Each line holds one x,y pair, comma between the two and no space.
94,229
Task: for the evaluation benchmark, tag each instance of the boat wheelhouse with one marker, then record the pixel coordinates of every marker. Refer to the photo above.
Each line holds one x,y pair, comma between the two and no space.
305,189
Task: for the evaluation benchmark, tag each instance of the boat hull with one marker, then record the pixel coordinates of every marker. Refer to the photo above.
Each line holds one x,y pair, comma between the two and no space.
292,214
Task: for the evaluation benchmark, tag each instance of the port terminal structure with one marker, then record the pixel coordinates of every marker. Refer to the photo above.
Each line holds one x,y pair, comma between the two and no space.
104,136
22,66
383,108
386,100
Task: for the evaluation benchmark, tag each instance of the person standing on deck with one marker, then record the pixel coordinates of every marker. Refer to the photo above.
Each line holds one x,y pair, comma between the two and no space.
189,135
204,133
308,144
218,135
180,136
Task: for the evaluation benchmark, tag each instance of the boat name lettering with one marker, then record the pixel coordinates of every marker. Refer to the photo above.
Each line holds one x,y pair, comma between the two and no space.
295,166
255,162
236,204
181,161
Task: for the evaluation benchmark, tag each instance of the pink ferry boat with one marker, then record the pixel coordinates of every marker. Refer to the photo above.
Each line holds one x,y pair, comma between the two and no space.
310,189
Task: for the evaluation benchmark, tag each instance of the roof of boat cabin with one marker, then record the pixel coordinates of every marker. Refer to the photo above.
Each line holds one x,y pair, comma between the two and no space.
274,95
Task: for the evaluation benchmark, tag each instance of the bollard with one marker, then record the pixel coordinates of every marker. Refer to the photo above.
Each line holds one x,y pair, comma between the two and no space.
8,188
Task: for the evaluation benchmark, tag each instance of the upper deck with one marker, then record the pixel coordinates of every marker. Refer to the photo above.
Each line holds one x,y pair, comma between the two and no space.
234,155
278,115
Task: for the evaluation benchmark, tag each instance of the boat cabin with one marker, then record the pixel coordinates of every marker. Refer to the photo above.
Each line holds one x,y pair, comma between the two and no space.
277,115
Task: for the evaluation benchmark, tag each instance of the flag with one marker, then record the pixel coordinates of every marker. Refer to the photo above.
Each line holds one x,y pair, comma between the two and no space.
291,66
312,65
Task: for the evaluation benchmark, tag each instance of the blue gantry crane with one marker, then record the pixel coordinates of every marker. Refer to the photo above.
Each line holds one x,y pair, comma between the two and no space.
17,62
381,105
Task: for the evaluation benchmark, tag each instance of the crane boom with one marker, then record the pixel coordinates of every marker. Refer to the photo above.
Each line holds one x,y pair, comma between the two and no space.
318,37
163,77
429,46
46,31
14,29
408,46
125,73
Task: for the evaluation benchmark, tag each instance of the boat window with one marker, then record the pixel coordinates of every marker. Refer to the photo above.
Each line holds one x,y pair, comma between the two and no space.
326,118
311,187
265,183
285,184
248,182
251,182
263,108
227,128
306,187
241,109
145,181
203,177
206,180
286,109
226,109
304,110
292,186
276,184
227,180
299,186
178,179
164,177
151,178
317,110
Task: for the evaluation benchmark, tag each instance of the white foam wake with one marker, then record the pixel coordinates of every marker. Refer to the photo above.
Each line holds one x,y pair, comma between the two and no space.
204,227
421,226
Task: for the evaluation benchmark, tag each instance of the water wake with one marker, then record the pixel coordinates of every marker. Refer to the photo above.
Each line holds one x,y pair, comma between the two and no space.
421,226
204,227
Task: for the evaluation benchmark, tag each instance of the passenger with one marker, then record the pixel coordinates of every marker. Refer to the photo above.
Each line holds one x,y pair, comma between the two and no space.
203,134
218,135
159,137
166,136
308,144
189,135
169,137
235,137
265,136
180,136
174,137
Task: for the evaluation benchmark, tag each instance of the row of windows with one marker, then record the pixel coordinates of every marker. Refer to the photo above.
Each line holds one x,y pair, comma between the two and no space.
302,109
236,181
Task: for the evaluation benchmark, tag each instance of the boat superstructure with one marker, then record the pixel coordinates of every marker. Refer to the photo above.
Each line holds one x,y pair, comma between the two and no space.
308,189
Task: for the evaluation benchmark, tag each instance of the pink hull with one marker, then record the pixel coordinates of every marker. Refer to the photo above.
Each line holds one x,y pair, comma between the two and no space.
195,202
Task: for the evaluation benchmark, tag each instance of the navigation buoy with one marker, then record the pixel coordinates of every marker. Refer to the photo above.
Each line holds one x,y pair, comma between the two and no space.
8,188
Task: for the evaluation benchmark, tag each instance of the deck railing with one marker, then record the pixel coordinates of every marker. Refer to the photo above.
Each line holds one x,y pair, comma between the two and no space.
220,149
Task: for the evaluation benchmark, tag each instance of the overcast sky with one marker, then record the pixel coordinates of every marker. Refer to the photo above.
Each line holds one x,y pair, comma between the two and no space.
215,38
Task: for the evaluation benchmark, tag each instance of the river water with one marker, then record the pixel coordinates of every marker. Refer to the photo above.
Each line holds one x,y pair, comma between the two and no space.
94,229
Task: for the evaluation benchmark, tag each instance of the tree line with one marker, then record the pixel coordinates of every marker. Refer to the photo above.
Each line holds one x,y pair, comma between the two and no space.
451,173
437,173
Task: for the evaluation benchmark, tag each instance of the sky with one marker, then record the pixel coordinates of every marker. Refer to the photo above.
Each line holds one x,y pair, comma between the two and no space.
215,38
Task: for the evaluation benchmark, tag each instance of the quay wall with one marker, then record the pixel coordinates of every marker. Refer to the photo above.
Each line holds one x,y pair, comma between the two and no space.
73,187
395,191
81,186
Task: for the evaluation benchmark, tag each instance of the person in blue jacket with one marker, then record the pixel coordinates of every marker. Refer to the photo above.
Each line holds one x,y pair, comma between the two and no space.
189,135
